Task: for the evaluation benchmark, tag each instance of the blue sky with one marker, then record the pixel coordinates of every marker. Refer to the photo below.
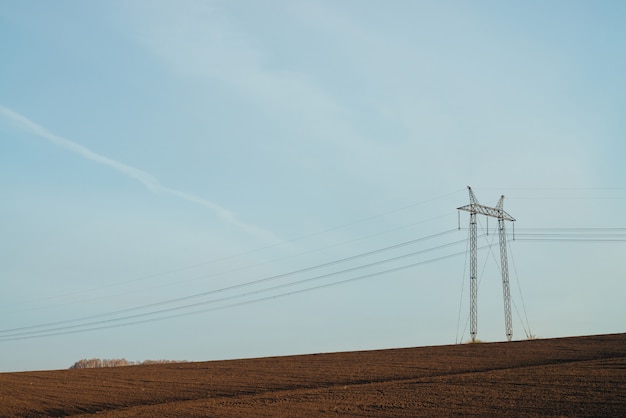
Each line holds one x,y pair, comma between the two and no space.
153,152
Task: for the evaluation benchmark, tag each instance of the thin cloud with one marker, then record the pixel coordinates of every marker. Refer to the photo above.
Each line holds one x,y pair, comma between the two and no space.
204,43
149,181
200,42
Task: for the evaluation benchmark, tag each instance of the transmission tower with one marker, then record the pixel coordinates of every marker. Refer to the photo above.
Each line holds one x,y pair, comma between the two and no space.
475,208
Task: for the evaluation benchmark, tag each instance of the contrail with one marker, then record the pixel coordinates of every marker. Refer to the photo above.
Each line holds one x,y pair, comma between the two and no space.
149,181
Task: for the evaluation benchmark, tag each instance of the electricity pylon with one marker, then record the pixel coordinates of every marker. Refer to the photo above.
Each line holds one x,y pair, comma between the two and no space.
475,208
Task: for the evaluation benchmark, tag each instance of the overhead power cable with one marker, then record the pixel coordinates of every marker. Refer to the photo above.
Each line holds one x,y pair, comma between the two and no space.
235,270
571,239
234,256
551,189
569,234
106,324
23,330
572,234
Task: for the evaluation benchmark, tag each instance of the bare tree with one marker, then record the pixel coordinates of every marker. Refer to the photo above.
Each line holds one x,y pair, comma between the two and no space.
95,363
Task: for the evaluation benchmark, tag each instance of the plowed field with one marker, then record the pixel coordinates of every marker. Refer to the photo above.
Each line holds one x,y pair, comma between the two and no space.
581,376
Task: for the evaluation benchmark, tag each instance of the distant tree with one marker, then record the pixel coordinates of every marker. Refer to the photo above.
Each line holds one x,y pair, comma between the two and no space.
146,362
95,363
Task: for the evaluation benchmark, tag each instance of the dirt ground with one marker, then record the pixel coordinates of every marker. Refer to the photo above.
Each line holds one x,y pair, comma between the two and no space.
579,376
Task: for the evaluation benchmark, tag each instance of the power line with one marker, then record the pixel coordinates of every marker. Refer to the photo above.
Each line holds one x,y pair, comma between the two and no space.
45,330
572,234
221,273
519,287
554,189
251,283
568,198
234,256
569,229
99,325
570,239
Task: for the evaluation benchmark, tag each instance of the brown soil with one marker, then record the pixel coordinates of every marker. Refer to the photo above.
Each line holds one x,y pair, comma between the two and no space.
582,376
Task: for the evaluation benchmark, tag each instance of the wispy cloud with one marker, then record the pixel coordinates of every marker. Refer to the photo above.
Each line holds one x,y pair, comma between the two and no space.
149,181
202,42
206,42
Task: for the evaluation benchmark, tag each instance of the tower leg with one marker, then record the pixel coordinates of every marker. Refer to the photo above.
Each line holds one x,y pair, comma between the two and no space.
473,274
506,292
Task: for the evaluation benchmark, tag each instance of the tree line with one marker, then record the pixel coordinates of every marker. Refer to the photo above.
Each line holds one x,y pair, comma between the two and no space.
95,363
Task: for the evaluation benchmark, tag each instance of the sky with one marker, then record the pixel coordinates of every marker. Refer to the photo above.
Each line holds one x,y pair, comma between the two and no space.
206,180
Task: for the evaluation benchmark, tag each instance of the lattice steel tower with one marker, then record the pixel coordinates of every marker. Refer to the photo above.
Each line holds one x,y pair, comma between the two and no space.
475,208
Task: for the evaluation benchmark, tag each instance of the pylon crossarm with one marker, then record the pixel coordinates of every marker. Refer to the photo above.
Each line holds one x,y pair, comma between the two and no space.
487,211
